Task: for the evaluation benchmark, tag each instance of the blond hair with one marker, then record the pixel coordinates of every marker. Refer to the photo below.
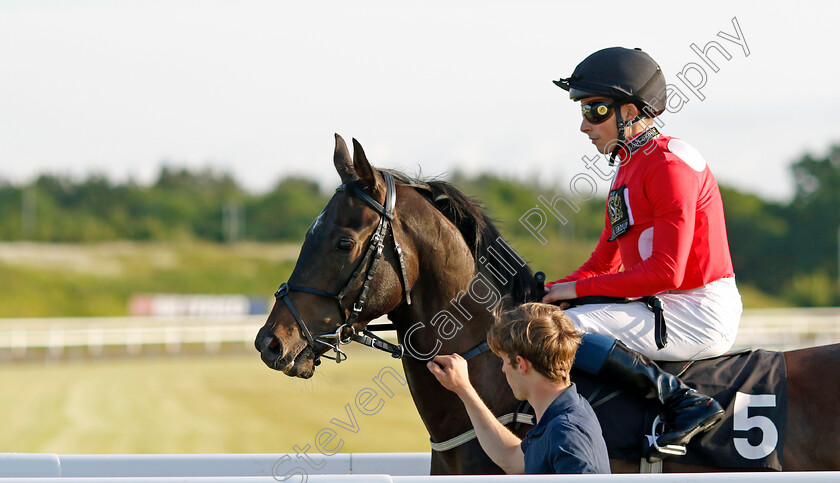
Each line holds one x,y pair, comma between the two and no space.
541,333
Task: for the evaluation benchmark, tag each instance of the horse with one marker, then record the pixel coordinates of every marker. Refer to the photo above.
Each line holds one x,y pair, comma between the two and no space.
441,285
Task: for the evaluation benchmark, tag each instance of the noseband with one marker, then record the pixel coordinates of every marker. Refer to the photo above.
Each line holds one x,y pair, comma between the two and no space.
371,260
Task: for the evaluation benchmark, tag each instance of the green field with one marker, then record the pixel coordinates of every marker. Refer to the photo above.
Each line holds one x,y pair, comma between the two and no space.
79,280
225,404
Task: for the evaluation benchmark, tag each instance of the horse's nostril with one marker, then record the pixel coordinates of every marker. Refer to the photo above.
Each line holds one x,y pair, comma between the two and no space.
268,343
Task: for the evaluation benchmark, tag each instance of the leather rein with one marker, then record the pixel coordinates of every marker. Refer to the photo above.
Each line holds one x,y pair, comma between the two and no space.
347,332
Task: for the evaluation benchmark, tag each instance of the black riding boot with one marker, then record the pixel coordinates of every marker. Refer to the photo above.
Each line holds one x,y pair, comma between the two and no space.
686,411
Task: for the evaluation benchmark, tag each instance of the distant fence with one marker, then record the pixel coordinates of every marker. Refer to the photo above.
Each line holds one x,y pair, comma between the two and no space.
342,467
788,329
57,338
774,329
100,336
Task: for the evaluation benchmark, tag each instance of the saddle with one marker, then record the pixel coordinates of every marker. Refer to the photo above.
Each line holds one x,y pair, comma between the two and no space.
750,385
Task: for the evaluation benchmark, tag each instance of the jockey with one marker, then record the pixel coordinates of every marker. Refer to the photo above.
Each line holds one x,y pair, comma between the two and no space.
664,234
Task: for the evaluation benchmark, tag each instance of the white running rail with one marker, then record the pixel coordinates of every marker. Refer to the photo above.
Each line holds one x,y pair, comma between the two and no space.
345,467
772,329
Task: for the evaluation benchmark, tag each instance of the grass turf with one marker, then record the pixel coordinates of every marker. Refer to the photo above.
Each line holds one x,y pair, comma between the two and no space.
222,404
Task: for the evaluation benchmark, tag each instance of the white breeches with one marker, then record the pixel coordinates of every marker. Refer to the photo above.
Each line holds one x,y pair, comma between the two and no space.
701,322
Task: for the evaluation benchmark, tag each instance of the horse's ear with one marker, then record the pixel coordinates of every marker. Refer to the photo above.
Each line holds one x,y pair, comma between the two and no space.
341,159
364,170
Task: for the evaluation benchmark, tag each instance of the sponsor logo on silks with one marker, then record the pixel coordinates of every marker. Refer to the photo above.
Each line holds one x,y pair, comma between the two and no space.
618,212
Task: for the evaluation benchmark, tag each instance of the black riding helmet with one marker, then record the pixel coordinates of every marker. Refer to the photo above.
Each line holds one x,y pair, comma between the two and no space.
623,74
626,75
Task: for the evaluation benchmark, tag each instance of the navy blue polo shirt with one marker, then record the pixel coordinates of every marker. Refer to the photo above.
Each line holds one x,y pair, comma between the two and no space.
567,439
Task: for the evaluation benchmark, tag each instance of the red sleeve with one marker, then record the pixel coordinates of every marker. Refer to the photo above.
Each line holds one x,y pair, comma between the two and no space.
605,259
672,189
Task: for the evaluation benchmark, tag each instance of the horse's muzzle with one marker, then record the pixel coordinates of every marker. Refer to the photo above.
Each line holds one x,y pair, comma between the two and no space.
295,361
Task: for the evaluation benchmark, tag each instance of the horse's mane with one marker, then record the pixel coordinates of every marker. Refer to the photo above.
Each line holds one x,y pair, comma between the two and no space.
480,234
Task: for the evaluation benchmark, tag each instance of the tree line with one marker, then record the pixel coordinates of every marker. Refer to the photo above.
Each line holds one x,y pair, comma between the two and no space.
789,250
180,204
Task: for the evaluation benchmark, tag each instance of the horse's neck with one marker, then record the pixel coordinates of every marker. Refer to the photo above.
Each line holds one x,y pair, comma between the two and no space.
441,410
450,320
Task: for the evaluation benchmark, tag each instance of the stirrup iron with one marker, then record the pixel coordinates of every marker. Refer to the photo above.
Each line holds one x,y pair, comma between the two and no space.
654,452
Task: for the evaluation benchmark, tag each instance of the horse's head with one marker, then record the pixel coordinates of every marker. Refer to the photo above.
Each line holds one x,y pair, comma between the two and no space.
349,271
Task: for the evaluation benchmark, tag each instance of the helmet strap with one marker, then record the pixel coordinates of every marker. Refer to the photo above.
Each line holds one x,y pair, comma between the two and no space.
622,125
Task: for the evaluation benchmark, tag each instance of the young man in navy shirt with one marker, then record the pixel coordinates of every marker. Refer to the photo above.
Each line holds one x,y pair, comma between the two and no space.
537,345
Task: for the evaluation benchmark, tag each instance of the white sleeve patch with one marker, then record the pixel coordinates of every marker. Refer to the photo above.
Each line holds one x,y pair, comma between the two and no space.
646,243
627,202
689,155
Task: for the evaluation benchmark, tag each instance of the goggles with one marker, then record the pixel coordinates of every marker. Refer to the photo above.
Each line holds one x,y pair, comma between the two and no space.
597,112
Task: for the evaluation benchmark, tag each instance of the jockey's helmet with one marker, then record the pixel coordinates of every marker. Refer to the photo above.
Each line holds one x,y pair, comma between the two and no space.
629,75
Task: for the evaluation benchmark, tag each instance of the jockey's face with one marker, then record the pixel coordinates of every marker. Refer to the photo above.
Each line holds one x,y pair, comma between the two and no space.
603,134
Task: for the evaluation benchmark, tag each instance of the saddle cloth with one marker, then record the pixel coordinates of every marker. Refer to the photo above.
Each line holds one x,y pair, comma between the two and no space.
750,385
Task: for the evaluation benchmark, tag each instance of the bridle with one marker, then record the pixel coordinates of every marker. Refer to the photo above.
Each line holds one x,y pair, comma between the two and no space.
371,260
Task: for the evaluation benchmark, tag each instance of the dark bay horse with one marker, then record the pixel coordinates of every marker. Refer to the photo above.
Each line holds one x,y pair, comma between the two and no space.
427,256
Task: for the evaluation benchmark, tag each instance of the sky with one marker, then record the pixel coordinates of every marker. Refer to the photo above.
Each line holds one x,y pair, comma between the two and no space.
257,88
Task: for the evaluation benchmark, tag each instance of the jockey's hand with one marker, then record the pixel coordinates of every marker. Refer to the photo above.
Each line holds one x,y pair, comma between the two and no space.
451,372
560,291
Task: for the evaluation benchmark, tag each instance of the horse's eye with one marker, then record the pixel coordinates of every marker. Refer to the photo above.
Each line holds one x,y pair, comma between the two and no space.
345,245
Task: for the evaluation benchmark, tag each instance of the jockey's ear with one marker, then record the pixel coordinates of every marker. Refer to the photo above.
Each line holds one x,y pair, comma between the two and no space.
342,161
366,172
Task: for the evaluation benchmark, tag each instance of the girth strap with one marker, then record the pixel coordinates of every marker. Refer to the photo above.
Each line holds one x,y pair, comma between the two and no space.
517,417
470,435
